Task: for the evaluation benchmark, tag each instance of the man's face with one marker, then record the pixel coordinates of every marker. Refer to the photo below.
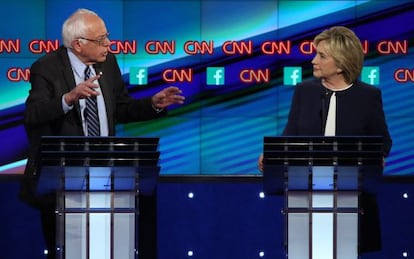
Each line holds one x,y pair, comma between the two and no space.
94,45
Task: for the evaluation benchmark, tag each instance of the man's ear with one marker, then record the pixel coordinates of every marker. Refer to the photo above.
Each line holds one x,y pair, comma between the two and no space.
76,45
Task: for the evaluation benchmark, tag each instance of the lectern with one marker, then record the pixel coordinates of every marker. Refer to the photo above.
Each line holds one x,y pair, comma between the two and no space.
321,179
97,181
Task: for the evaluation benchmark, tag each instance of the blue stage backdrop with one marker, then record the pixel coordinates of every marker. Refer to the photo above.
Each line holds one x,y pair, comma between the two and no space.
236,61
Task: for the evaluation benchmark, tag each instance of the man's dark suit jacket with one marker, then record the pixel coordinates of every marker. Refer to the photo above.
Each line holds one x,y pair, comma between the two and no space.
359,112
51,77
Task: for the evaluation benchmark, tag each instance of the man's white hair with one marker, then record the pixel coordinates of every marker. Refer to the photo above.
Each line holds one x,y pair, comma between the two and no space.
75,26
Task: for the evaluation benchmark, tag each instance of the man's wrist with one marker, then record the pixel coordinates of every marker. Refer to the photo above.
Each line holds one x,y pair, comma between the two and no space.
66,99
66,107
158,110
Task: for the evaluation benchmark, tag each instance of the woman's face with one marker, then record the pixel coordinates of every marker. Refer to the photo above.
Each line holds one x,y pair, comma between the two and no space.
324,66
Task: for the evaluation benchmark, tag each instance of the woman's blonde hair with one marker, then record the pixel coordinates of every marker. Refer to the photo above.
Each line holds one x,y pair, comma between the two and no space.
345,48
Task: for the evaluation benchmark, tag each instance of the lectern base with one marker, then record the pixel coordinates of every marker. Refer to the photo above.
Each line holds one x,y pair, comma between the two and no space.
322,225
97,225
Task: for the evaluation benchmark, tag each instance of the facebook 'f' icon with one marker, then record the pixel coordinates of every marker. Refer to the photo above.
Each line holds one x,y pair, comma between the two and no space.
215,76
370,75
292,75
138,76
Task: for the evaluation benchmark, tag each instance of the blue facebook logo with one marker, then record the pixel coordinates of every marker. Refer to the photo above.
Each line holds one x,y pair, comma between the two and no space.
138,76
292,75
370,75
215,76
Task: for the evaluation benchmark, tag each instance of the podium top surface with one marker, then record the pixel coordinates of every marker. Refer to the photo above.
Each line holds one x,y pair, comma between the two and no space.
324,140
67,143
98,164
98,151
304,150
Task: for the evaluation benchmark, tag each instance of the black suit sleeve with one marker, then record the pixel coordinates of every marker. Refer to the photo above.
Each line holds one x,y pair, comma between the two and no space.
291,128
379,126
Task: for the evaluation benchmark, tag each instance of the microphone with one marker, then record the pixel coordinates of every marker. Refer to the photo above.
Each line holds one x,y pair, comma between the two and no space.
324,108
98,69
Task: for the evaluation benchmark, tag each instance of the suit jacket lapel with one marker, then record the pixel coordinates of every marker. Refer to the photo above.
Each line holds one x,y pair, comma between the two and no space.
67,74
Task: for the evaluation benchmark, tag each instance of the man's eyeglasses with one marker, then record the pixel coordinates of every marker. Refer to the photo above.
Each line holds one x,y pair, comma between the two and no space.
99,41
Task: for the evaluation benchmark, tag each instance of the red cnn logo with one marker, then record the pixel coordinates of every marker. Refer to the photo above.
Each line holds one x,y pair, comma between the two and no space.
195,47
125,47
404,75
160,47
258,76
16,74
276,47
235,47
10,46
43,46
390,47
177,75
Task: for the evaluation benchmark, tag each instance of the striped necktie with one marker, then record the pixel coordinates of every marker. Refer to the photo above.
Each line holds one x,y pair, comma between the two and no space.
330,128
91,111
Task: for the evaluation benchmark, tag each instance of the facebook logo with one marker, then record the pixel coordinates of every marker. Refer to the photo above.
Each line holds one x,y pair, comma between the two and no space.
138,76
292,75
370,75
215,76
